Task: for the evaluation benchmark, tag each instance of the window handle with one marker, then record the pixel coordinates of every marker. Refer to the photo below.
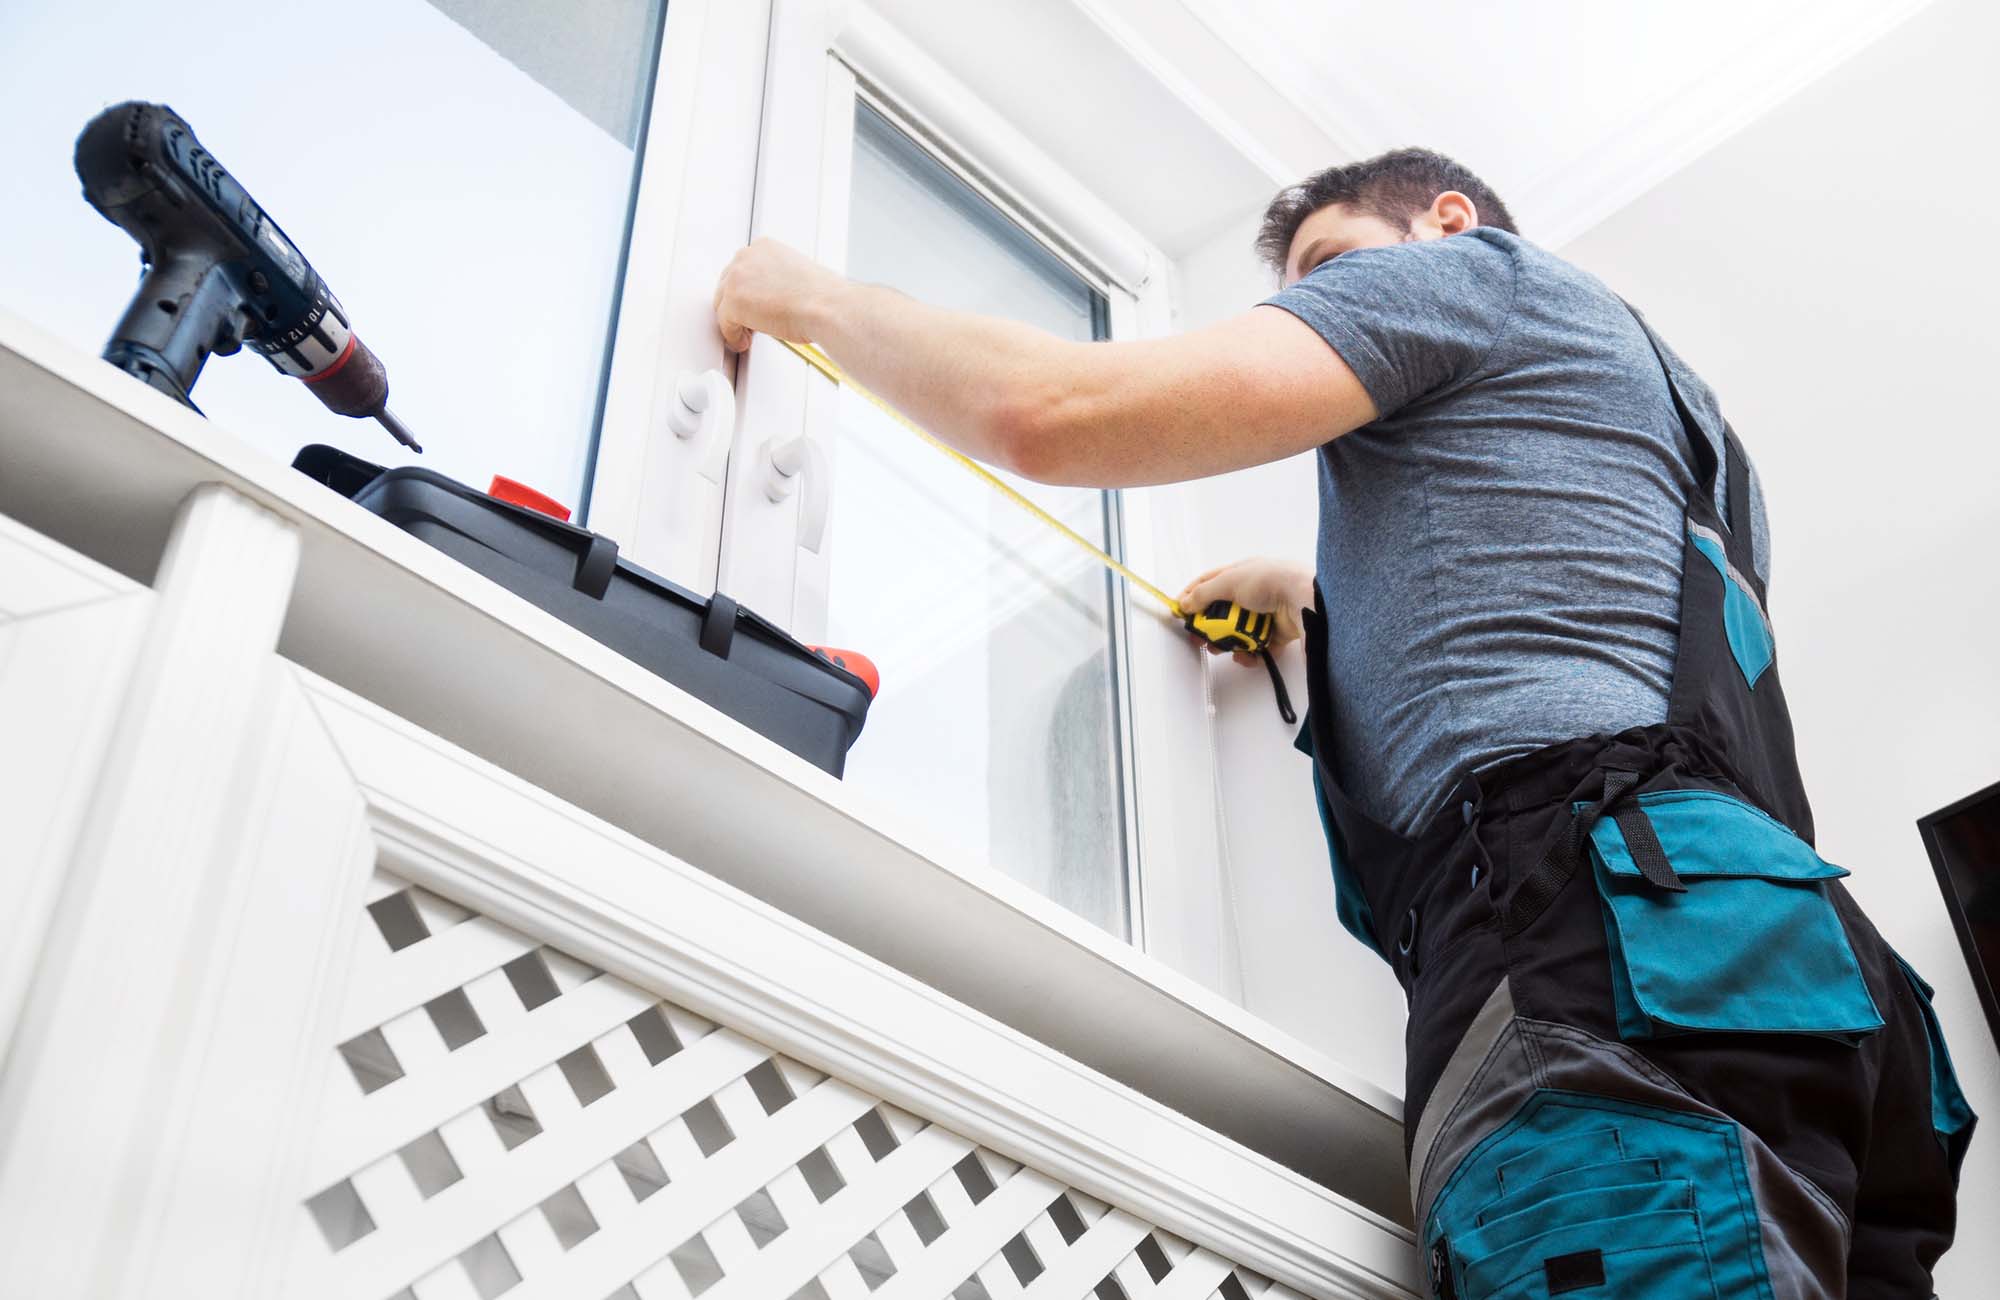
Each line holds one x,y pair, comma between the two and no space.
704,413
785,463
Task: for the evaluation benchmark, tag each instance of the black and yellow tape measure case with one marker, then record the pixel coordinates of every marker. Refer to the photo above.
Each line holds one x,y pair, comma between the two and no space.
1228,624
709,647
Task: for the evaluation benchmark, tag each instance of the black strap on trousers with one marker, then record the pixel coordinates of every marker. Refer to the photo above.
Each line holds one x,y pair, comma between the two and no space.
1564,851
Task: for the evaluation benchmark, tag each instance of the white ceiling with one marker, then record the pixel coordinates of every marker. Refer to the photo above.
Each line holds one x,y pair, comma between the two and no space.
1185,116
1134,98
1568,108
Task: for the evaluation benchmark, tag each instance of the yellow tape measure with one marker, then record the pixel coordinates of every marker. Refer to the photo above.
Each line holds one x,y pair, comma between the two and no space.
821,362
1223,623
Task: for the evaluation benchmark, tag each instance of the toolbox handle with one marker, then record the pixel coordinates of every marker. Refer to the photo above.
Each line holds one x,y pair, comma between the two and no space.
595,567
718,625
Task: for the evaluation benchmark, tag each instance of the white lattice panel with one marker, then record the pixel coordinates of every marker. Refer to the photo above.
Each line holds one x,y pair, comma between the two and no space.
69,629
508,1121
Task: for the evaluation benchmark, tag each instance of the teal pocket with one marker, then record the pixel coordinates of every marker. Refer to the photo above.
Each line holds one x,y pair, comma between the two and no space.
1752,945
1611,1173
1952,1119
1657,1254
1743,619
1504,1248
1571,1150
1671,1215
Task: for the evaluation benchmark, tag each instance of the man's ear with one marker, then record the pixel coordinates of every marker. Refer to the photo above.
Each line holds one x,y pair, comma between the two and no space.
1454,213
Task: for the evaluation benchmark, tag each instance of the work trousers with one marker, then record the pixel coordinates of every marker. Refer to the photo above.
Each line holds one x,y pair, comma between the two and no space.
1551,1155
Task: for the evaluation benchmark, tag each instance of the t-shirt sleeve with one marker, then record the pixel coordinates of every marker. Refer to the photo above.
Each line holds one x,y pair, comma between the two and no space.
1409,319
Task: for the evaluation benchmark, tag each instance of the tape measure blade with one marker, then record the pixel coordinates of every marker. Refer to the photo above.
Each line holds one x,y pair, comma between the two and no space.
819,361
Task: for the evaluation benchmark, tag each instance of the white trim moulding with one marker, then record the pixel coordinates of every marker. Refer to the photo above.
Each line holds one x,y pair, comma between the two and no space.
885,59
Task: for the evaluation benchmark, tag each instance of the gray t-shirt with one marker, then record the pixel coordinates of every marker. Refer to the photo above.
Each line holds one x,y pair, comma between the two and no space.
1500,551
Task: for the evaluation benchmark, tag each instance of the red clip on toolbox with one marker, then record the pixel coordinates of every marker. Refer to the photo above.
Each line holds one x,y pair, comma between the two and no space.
710,648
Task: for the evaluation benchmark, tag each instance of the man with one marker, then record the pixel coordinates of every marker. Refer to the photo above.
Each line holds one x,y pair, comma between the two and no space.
1655,1049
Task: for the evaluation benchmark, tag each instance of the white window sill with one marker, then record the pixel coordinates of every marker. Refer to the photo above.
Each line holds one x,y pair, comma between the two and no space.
96,461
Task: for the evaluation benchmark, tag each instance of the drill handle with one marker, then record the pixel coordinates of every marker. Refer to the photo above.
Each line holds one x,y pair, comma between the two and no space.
185,310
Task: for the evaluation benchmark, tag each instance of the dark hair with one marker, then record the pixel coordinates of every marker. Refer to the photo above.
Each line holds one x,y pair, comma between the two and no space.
1395,186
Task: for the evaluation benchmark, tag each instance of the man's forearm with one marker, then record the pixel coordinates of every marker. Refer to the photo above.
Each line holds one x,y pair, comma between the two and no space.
1241,392
978,382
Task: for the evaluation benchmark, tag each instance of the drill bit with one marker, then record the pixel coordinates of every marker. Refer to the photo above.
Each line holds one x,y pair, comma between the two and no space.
395,426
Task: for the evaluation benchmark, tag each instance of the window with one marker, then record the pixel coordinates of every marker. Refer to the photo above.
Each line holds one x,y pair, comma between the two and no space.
1005,733
460,173
999,714
524,209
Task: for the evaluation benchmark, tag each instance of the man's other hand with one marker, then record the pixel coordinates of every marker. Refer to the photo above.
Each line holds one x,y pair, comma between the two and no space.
771,288
1265,586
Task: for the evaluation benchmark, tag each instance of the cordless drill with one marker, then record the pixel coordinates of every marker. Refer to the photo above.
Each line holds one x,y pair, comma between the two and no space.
218,271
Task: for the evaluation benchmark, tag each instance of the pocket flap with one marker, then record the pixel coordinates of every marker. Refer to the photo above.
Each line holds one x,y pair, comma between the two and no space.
1753,944
1952,1119
1704,833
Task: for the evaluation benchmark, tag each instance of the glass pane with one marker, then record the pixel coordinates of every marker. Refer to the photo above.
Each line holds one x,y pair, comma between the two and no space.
459,172
998,718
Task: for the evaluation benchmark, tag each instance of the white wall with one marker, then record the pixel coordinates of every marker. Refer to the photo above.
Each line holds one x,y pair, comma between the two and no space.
1570,108
1828,272
1301,971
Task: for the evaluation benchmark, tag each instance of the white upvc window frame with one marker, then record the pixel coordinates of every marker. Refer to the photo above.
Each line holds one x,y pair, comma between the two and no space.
825,56
654,489
750,133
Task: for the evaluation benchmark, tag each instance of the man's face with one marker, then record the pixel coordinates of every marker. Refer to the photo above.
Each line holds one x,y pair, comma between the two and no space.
1336,229
1340,228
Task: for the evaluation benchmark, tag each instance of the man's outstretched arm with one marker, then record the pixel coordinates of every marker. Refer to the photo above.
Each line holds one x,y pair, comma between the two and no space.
1256,388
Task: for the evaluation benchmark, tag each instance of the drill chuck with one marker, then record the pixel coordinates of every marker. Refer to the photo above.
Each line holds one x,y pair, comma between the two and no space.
219,273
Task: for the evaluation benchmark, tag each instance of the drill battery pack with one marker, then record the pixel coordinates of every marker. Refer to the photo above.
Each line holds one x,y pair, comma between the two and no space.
709,647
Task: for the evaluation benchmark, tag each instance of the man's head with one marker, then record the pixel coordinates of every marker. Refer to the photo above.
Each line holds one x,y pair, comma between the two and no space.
1403,195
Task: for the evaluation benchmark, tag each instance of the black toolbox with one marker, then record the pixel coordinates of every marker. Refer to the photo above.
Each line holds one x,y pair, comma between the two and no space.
710,648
